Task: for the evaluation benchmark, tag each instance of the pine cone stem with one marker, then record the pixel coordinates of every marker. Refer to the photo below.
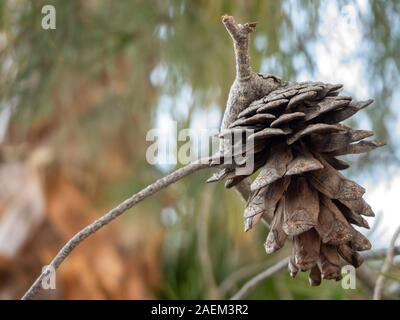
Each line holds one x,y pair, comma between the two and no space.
240,36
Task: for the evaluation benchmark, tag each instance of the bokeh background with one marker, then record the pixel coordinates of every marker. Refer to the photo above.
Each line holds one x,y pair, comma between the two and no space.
76,104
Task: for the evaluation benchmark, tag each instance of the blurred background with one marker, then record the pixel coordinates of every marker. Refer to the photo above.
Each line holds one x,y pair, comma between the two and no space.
76,104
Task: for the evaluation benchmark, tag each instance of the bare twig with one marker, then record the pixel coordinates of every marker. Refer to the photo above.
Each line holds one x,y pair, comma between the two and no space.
240,36
386,266
363,272
111,215
232,280
256,280
380,253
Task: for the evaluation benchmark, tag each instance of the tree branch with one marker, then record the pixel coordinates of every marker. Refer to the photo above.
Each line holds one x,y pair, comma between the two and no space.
240,36
256,280
363,273
113,214
386,266
380,253
232,280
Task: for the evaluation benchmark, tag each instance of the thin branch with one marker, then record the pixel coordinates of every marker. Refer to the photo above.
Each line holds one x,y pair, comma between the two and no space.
250,285
363,273
380,253
240,36
113,214
386,266
232,280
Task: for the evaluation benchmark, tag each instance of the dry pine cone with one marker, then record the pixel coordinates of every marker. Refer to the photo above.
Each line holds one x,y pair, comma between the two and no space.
297,135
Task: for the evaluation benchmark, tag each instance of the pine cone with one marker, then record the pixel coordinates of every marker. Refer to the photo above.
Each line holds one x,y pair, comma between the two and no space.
296,135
